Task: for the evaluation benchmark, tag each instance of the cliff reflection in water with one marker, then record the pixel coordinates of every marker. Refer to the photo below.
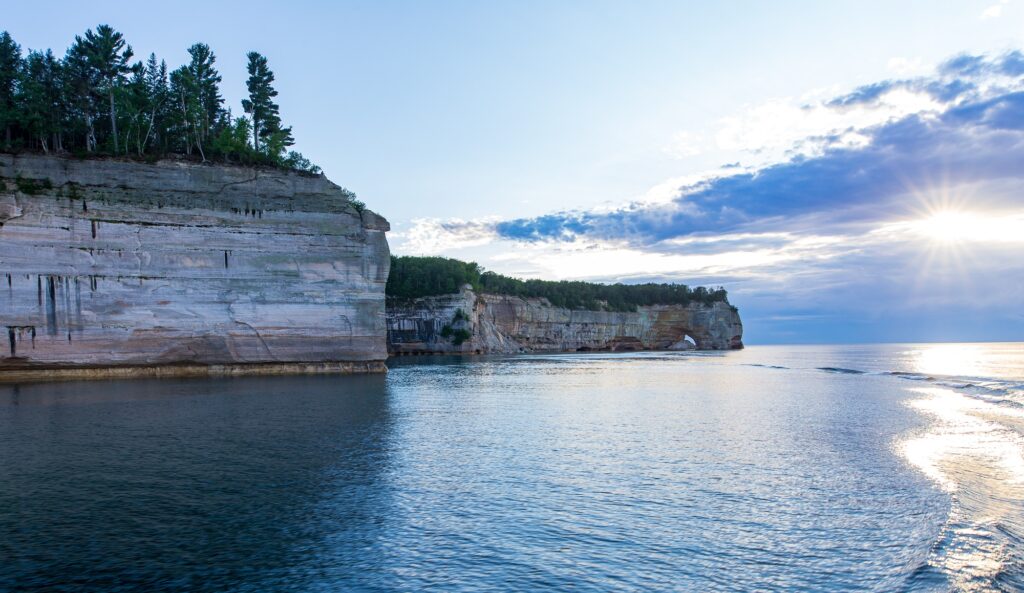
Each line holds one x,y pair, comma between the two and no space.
188,485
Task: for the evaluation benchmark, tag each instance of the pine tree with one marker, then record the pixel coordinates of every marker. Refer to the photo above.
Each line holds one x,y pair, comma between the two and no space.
268,135
80,89
205,83
52,104
157,94
108,56
42,100
10,72
187,110
133,98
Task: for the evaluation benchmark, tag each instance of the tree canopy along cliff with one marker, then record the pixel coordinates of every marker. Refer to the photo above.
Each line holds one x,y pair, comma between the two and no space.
95,100
414,277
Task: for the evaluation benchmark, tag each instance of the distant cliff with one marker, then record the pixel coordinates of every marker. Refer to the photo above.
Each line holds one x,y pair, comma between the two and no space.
114,267
467,322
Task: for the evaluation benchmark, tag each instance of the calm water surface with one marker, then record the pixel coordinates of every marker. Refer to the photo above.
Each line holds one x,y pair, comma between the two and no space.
858,468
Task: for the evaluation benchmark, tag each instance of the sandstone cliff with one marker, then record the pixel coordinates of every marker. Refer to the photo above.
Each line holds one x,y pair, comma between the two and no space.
470,323
106,263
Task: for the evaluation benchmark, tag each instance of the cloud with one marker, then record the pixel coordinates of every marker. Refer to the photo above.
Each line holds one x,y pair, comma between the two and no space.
432,236
859,174
994,11
845,220
684,144
904,66
784,127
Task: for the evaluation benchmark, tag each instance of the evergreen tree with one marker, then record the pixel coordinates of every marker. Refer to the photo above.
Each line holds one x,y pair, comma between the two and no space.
10,73
52,104
205,81
157,95
134,100
79,87
268,135
188,111
42,100
108,56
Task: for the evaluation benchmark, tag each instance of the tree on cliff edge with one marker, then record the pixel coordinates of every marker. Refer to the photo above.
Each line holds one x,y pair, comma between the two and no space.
42,100
108,56
206,81
10,70
54,104
267,134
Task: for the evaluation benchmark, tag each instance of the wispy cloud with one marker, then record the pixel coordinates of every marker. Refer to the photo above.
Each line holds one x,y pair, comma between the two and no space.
431,236
994,11
684,144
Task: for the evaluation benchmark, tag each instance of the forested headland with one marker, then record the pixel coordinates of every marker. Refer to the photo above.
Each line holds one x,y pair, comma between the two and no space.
97,100
414,277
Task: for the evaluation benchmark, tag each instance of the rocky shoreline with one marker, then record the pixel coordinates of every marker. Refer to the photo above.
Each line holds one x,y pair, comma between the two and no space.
470,323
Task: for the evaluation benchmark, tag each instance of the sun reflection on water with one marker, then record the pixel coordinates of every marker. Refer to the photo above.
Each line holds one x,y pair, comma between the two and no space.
965,360
972,451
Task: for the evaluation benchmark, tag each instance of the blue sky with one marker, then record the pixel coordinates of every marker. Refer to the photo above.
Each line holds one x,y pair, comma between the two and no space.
850,171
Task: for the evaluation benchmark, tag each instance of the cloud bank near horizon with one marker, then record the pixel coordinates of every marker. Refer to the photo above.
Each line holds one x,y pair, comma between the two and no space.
850,213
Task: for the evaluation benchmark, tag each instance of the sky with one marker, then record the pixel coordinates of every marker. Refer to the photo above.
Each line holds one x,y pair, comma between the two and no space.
849,171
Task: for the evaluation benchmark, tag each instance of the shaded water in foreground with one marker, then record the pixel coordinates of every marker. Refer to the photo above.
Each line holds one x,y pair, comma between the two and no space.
885,468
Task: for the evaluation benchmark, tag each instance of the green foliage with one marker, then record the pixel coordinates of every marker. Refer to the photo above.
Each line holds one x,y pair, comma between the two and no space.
457,336
32,186
233,141
107,55
460,335
414,277
295,160
154,124
41,99
205,82
96,101
268,135
10,73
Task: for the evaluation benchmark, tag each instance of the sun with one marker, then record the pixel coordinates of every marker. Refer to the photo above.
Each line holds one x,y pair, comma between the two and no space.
950,227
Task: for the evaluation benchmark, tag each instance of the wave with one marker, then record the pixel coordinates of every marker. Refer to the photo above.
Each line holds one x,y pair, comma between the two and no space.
990,389
973,448
842,370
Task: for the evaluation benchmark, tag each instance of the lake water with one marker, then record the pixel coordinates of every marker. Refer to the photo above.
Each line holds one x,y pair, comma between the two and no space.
853,468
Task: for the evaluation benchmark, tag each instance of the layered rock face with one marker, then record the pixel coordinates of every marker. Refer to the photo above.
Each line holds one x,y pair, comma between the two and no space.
106,263
470,323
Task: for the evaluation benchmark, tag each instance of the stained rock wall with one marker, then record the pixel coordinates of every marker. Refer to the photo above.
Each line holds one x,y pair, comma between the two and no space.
107,263
508,324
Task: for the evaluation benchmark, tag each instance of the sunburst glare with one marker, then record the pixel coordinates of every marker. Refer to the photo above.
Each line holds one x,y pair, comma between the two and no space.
959,226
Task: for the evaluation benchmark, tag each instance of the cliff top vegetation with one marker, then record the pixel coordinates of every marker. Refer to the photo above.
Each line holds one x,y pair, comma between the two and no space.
413,277
97,101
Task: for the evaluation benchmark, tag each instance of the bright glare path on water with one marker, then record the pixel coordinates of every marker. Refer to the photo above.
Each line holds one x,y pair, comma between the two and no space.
855,468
